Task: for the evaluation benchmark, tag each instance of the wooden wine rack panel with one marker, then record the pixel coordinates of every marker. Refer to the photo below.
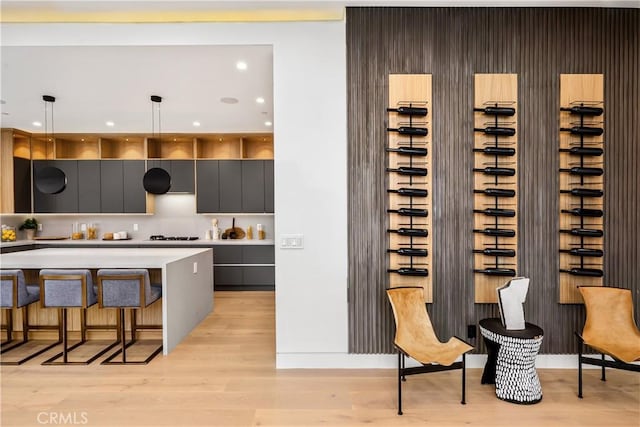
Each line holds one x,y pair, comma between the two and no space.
496,91
580,90
410,90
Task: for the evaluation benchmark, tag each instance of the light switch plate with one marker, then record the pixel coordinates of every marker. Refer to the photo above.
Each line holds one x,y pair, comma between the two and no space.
292,241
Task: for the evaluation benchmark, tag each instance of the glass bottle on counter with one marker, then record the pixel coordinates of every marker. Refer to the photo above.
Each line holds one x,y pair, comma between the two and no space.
92,231
76,232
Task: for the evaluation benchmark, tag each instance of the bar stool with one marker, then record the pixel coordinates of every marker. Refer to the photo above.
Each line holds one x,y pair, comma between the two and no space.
128,288
15,294
70,289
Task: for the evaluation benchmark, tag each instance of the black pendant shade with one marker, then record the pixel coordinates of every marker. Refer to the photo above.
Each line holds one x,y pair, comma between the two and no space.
156,181
50,180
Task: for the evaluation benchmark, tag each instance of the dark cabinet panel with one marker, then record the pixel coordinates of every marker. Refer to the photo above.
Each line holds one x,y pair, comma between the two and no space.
253,186
89,186
268,186
21,185
42,203
227,276
227,254
258,276
181,172
208,195
67,200
230,185
258,254
112,186
134,195
182,176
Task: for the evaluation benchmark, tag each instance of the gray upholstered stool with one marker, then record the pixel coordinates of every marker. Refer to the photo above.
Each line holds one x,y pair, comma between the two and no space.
70,289
128,288
15,294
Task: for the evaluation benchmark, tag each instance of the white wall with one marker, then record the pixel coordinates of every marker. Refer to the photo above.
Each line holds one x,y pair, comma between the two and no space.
310,160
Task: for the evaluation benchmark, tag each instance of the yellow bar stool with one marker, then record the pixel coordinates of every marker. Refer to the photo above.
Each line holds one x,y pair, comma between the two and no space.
128,288
15,293
66,289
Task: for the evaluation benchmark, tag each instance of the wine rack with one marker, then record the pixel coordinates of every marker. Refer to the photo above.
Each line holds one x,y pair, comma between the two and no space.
581,183
409,182
495,183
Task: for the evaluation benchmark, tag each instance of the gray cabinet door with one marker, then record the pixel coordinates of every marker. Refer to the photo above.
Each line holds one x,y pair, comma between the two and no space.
258,276
253,186
42,203
21,185
227,276
182,176
230,185
134,195
258,254
227,254
268,186
208,195
89,186
112,186
67,200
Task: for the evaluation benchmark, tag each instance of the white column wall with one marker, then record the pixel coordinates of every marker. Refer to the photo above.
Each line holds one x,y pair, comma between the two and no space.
310,160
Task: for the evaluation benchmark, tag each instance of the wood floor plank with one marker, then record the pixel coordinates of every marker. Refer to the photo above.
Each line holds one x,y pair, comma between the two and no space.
223,374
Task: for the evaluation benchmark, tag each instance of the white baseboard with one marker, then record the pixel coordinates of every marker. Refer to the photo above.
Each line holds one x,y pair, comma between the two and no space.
390,361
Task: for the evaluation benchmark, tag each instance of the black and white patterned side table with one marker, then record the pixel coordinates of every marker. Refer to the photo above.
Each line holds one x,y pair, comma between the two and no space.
511,361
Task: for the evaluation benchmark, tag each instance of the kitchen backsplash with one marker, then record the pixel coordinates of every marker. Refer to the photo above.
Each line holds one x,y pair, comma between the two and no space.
174,216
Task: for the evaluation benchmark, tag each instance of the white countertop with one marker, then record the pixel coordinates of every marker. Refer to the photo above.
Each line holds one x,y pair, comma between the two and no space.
95,257
137,242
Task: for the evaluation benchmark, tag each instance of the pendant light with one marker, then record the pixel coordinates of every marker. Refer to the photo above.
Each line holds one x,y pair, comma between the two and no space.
156,180
49,180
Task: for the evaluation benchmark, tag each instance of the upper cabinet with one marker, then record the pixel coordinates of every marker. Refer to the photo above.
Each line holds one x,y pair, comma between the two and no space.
96,166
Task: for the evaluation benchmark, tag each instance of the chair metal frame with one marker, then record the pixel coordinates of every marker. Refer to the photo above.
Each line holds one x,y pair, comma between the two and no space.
602,362
25,329
83,323
121,322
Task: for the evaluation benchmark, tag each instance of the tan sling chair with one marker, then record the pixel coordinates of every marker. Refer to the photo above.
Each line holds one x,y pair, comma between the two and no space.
415,338
609,329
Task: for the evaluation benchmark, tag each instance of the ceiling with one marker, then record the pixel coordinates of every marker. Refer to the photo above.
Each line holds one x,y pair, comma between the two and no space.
93,85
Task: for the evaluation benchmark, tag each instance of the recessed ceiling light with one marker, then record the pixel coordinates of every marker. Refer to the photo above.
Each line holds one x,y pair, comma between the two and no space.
241,65
110,123
260,100
37,124
229,100
196,123
268,123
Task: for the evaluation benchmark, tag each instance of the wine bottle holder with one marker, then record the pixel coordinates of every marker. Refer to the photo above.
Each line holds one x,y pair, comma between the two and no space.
581,183
495,183
409,170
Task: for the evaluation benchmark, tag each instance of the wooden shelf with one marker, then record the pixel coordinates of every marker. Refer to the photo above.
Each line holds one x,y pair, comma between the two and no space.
257,147
42,148
21,144
122,147
219,147
171,147
77,146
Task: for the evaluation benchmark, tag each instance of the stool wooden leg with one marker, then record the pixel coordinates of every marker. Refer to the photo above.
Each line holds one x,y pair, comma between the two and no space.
134,325
83,324
25,323
9,325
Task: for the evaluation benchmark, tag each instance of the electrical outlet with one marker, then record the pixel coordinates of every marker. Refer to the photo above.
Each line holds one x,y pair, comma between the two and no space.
135,227
292,241
195,268
39,227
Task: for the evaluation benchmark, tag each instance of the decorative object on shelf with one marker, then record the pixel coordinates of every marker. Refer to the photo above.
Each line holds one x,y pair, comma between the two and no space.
511,296
495,187
409,182
261,232
29,226
581,151
234,232
156,180
215,230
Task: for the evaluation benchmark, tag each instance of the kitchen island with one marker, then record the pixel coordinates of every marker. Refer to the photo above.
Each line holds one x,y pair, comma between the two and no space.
187,278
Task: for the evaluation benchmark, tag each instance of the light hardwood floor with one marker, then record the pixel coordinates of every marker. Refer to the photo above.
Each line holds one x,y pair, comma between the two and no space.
223,375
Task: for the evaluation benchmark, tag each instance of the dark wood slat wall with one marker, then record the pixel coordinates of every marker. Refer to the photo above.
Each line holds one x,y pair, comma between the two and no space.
453,44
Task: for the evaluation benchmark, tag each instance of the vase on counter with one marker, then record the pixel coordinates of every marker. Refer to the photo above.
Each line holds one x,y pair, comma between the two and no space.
29,233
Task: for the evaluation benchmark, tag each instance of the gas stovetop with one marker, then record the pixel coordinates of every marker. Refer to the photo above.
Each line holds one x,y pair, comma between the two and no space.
161,237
